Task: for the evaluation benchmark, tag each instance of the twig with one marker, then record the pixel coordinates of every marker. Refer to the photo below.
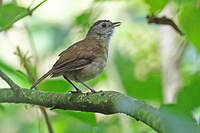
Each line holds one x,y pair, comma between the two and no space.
29,12
48,122
33,9
13,86
24,60
164,21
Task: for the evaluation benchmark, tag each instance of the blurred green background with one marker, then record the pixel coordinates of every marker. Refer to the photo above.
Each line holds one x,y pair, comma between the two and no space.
146,61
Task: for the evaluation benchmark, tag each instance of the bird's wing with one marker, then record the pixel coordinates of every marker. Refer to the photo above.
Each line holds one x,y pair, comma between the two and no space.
77,56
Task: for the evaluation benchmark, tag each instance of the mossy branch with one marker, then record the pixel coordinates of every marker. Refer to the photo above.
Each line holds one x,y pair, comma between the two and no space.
107,102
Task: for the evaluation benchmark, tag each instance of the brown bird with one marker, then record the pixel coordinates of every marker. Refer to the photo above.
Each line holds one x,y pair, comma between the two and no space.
85,59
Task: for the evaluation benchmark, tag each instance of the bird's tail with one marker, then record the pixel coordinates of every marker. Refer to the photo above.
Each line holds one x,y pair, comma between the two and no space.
42,78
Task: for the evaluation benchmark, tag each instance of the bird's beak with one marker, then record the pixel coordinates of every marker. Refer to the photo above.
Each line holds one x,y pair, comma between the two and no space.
116,24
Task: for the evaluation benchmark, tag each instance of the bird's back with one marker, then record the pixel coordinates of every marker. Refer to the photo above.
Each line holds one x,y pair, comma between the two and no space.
79,55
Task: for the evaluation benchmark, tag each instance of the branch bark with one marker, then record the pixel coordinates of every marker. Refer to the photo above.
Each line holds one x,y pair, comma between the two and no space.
108,102
164,21
13,86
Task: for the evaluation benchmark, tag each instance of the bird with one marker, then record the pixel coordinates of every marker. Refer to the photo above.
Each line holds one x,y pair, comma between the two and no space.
85,59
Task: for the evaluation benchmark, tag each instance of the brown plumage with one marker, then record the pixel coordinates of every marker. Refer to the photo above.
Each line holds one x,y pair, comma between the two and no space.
85,59
74,59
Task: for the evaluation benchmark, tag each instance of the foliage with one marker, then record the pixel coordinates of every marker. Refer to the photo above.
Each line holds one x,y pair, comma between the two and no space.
155,6
189,18
148,88
135,87
9,13
18,76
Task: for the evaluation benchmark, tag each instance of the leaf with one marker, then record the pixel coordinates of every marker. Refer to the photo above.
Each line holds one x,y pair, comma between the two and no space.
86,117
176,121
102,76
54,85
2,108
86,18
149,88
183,1
18,77
188,98
189,19
156,6
9,14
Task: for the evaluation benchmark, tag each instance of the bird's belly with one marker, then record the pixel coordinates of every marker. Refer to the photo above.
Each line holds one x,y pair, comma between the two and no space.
89,72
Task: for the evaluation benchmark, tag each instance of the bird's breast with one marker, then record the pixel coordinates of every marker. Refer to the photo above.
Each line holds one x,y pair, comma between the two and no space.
93,69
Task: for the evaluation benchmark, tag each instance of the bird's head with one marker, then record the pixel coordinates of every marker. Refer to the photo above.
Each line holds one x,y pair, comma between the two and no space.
103,29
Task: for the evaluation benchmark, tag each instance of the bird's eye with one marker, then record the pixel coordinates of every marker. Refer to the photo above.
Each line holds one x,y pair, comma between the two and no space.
104,25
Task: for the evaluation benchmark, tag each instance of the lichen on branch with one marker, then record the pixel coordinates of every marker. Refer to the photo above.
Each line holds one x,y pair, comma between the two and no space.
106,102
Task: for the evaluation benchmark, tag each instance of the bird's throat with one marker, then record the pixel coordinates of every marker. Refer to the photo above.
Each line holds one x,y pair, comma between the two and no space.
105,38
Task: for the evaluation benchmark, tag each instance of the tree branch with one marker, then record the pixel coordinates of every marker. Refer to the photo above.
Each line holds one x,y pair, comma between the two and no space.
109,102
13,86
164,21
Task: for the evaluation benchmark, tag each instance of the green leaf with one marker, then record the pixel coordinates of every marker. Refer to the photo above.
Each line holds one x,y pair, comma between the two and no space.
86,117
174,120
189,19
86,18
18,77
184,1
101,77
2,108
54,85
188,97
156,6
149,88
9,14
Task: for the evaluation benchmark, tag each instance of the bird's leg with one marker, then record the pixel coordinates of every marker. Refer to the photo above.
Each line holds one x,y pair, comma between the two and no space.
77,89
92,90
